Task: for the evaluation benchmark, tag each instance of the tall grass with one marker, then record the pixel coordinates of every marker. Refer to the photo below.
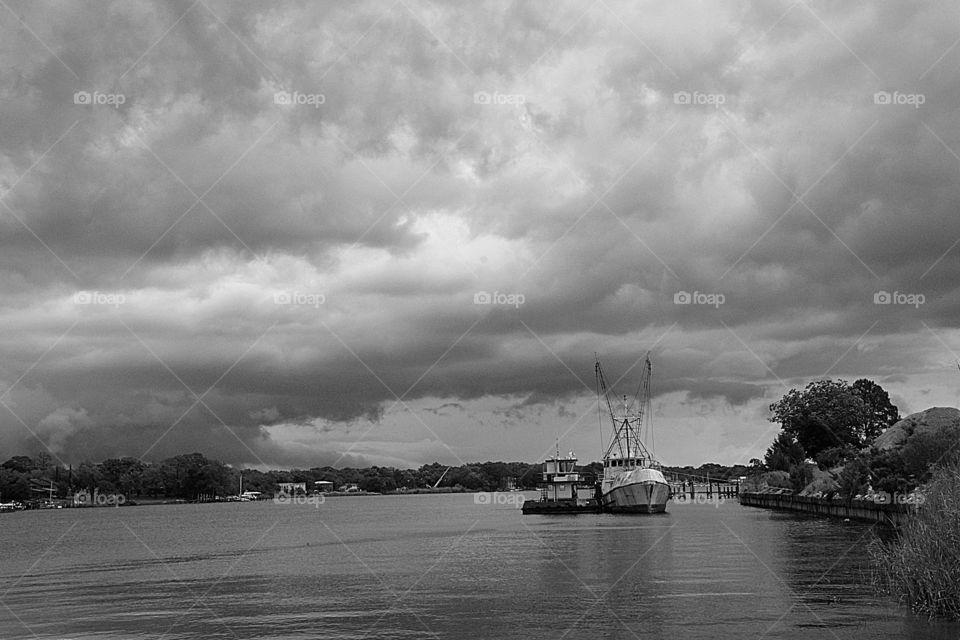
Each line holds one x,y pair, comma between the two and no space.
921,565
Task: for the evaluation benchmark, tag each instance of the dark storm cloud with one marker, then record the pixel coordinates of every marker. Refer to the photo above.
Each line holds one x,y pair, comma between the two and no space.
316,261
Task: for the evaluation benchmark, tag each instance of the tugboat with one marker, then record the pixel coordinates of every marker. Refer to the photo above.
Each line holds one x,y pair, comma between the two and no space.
632,479
563,490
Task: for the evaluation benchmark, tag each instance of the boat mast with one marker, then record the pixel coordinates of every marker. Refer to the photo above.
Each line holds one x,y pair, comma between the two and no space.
626,425
629,425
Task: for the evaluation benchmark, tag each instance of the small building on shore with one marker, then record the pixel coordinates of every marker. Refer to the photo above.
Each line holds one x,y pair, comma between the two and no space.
322,486
292,488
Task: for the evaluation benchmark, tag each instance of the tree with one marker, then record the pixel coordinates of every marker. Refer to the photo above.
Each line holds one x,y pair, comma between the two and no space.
831,413
124,473
880,412
13,485
20,464
784,454
87,476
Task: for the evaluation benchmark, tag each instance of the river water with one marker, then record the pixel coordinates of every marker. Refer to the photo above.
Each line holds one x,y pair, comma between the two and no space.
440,566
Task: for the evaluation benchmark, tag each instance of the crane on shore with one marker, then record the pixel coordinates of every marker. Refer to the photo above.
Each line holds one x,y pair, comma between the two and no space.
437,483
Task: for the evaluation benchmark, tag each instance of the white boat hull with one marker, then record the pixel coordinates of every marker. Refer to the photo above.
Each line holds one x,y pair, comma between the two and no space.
637,491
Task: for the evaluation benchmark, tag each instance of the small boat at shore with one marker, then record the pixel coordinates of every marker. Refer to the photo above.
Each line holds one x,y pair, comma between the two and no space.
632,478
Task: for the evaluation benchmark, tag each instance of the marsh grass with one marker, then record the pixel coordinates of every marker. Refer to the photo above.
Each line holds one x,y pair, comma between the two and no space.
921,565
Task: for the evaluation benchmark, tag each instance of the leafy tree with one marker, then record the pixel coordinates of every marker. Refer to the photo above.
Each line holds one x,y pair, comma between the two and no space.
880,412
152,480
784,454
88,476
13,485
831,413
19,464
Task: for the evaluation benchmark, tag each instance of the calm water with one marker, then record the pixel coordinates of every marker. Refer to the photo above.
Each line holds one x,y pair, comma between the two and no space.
437,566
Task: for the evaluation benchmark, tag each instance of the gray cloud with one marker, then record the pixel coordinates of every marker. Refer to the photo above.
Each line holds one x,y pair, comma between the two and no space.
331,263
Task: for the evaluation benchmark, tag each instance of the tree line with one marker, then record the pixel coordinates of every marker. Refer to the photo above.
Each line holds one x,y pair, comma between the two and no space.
194,476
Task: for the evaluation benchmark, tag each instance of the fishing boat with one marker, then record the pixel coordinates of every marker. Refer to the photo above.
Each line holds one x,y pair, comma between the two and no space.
632,478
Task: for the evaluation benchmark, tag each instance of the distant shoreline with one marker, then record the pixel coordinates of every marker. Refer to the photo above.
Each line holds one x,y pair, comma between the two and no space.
146,501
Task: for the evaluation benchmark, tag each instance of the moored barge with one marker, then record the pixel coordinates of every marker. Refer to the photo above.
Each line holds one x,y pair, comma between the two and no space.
563,489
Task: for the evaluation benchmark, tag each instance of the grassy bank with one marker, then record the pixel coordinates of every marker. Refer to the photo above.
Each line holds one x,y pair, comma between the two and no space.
920,566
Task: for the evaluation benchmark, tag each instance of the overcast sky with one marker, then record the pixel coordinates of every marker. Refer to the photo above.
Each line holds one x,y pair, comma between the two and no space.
298,234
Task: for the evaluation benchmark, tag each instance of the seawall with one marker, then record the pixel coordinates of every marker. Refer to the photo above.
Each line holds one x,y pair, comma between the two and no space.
894,514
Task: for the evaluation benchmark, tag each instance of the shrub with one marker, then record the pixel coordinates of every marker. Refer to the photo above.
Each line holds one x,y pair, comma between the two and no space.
853,479
800,476
921,564
776,479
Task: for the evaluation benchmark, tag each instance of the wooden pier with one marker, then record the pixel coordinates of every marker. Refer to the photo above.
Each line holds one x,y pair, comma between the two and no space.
710,488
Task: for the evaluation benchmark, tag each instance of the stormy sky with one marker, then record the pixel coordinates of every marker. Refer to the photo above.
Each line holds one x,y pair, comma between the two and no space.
298,234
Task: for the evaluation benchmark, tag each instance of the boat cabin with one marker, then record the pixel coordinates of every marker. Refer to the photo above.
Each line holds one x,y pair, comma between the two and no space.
615,462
